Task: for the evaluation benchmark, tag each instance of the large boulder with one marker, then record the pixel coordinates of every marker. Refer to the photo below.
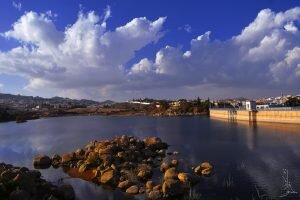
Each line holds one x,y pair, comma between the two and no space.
172,188
93,159
25,181
205,169
124,185
170,174
188,179
133,190
109,177
42,161
155,143
206,165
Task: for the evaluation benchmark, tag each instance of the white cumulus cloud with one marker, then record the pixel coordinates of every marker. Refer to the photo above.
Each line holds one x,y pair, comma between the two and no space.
87,60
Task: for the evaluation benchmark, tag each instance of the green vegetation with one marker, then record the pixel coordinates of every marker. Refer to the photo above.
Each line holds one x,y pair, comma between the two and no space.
292,102
5,116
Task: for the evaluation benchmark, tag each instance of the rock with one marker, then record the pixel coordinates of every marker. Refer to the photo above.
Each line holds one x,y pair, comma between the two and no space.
19,195
155,195
144,174
8,175
35,174
24,169
80,152
109,177
207,172
93,159
172,188
56,157
157,187
198,170
206,165
42,161
121,154
155,143
83,167
67,157
124,185
163,167
170,174
142,190
204,168
175,163
133,190
151,141
26,182
79,163
56,160
67,192
113,166
161,152
149,185
187,179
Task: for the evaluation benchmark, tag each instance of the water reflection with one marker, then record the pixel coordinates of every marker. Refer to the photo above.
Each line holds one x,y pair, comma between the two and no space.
246,155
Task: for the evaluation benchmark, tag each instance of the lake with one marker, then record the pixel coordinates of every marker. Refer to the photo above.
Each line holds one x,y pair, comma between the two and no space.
249,158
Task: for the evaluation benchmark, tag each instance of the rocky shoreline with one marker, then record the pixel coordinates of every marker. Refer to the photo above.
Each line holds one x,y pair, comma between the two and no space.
131,165
20,183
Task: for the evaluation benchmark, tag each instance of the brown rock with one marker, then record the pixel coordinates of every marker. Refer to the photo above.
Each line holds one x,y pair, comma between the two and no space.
144,174
172,188
149,185
187,179
83,167
133,190
42,161
163,167
170,174
198,170
206,165
142,190
93,159
207,172
109,177
155,195
157,187
175,163
67,157
124,185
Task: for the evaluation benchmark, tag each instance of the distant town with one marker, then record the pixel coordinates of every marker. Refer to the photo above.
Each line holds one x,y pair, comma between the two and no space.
21,108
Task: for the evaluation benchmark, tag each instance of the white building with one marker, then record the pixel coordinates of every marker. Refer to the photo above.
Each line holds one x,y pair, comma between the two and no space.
261,107
250,105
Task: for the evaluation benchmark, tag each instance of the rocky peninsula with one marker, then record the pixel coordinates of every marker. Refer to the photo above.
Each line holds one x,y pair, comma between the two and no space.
134,166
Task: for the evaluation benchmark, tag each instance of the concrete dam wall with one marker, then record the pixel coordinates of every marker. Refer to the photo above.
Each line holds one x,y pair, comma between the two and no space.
278,116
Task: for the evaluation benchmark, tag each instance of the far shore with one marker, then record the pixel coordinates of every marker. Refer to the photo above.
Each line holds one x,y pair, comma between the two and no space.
23,117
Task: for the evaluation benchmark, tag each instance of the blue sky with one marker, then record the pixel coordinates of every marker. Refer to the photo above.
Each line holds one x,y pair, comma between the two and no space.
185,21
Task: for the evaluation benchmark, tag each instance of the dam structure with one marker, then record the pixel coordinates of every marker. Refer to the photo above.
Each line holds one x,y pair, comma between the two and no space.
252,114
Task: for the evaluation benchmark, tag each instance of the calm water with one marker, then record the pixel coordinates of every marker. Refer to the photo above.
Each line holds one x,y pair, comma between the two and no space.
246,156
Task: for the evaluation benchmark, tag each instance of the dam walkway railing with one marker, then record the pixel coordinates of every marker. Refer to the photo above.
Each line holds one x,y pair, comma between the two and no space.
258,109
